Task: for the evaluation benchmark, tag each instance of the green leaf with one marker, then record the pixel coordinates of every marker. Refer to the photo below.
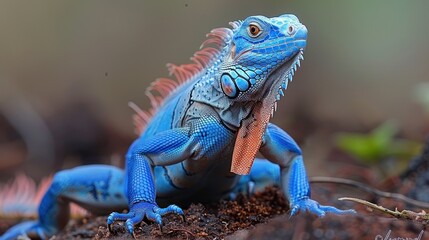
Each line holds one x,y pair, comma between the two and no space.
371,147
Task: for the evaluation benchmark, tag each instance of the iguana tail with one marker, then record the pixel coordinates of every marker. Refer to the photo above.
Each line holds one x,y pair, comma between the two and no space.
20,198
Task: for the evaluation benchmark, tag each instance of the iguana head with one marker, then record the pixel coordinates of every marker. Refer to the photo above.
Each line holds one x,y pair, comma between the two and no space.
263,57
264,54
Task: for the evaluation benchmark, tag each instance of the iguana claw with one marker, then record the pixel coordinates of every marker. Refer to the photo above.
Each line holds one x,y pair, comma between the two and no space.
141,210
314,207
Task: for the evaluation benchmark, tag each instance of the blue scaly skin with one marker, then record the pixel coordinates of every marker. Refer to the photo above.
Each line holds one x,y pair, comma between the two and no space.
202,137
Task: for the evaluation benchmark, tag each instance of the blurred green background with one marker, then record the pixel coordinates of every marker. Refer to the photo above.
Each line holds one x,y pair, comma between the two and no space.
69,68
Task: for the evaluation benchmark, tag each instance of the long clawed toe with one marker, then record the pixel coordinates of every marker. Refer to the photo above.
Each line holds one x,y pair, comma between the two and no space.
317,209
117,217
171,209
334,210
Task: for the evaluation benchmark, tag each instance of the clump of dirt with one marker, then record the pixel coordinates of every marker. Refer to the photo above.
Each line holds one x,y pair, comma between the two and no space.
245,212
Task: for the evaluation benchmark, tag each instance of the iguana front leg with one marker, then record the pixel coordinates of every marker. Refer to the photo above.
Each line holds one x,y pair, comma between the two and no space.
202,140
166,148
280,148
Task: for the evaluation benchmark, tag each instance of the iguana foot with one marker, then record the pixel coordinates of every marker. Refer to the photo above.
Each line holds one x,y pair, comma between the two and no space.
141,210
29,229
314,207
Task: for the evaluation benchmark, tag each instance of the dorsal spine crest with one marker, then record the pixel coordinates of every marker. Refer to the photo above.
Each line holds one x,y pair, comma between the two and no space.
162,88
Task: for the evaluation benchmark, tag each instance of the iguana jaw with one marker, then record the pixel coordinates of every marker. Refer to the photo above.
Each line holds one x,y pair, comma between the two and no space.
279,79
249,136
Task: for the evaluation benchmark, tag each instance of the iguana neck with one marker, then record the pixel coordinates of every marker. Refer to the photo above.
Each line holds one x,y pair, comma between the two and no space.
208,91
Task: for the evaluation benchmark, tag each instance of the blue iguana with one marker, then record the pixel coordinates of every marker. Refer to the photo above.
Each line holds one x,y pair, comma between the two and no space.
200,136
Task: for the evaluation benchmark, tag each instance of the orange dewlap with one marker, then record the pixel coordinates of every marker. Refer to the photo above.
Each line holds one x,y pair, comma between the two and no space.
249,138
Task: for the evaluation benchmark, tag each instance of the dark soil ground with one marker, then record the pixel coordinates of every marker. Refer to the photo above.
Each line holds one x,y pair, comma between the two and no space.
261,216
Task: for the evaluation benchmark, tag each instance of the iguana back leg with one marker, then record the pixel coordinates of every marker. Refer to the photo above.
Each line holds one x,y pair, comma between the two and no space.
262,174
97,188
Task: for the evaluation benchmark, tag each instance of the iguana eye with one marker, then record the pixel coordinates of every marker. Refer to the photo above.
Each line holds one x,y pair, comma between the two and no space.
254,30
290,30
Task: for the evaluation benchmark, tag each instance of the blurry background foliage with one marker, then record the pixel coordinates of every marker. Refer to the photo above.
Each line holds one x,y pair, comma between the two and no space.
69,68
380,148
